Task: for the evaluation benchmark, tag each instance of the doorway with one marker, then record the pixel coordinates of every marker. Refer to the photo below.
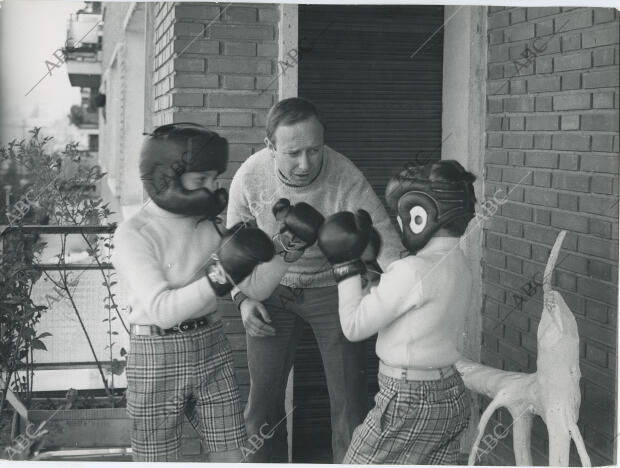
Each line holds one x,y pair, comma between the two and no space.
375,73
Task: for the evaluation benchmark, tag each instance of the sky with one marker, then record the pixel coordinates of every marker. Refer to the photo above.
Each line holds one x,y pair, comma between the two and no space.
30,32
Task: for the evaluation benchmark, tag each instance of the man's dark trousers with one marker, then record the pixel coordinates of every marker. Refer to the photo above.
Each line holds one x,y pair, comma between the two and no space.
270,360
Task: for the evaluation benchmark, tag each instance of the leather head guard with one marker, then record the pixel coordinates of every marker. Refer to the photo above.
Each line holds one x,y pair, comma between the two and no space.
425,205
170,151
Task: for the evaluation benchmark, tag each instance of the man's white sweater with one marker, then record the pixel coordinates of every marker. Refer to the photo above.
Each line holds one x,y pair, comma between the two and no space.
339,186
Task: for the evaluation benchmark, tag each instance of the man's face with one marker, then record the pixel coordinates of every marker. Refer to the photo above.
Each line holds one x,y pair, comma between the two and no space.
298,150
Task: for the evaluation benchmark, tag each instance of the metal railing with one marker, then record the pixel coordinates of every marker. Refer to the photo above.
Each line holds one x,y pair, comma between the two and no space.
6,231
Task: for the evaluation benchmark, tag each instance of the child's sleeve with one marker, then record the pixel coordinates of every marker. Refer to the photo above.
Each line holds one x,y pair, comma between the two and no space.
398,291
135,260
264,279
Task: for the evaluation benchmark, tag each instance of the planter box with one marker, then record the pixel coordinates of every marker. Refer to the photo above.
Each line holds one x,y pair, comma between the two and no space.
99,427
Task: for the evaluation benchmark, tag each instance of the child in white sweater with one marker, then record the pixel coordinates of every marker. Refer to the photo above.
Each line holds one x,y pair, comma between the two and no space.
418,310
176,262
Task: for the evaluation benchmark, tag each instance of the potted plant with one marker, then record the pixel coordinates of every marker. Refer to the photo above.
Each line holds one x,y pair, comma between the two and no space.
62,185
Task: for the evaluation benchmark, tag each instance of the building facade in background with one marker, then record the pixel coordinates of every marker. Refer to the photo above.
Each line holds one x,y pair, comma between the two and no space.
526,98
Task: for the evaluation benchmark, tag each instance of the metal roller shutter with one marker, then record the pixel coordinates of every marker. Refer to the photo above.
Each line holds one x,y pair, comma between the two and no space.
381,107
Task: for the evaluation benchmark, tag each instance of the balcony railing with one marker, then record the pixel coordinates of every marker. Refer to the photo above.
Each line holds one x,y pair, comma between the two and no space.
84,30
83,49
67,348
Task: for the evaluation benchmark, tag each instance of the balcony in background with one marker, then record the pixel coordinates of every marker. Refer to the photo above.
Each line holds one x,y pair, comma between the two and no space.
83,48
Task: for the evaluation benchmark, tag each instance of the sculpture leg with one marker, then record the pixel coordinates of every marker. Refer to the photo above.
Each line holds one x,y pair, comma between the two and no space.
559,440
521,437
581,447
484,419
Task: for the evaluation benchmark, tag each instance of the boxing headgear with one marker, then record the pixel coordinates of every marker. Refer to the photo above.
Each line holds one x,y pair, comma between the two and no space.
174,149
425,205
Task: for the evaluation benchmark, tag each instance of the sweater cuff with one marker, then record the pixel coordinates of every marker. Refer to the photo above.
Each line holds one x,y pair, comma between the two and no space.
238,298
347,269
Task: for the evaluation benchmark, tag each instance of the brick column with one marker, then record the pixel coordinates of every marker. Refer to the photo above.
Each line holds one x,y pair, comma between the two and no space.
162,66
217,66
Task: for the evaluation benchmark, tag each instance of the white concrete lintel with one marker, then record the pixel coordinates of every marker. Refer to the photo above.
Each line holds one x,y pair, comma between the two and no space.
463,137
288,55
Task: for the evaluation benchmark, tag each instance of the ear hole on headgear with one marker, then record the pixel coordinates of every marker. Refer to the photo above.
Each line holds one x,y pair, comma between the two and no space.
419,218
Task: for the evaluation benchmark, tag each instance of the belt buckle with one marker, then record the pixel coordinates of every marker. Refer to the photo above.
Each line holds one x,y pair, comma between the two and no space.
184,327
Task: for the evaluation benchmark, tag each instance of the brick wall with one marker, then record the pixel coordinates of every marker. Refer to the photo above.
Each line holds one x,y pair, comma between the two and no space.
552,142
162,68
221,70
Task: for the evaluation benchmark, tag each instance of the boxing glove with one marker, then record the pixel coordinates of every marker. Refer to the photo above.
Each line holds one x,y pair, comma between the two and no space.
241,250
343,238
299,226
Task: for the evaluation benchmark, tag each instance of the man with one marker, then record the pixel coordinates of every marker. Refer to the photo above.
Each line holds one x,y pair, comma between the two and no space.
298,167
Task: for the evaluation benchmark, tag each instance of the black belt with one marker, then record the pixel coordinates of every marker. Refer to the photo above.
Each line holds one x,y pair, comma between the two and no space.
188,325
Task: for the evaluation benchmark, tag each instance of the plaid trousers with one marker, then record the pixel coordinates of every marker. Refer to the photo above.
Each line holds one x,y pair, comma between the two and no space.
185,373
413,423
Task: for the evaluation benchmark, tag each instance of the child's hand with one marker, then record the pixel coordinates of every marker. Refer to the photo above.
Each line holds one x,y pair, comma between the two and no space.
256,318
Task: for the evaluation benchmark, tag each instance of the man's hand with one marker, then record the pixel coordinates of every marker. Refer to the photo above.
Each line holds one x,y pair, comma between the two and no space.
256,319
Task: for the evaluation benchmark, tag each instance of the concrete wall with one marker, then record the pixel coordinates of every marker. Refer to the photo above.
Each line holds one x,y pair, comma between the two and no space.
552,144
463,139
123,68
131,185
113,16
463,127
110,118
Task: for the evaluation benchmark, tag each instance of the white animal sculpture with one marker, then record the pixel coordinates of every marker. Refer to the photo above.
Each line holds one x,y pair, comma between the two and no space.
552,392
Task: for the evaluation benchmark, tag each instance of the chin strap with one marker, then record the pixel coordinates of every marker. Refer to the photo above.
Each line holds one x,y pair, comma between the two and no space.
217,220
